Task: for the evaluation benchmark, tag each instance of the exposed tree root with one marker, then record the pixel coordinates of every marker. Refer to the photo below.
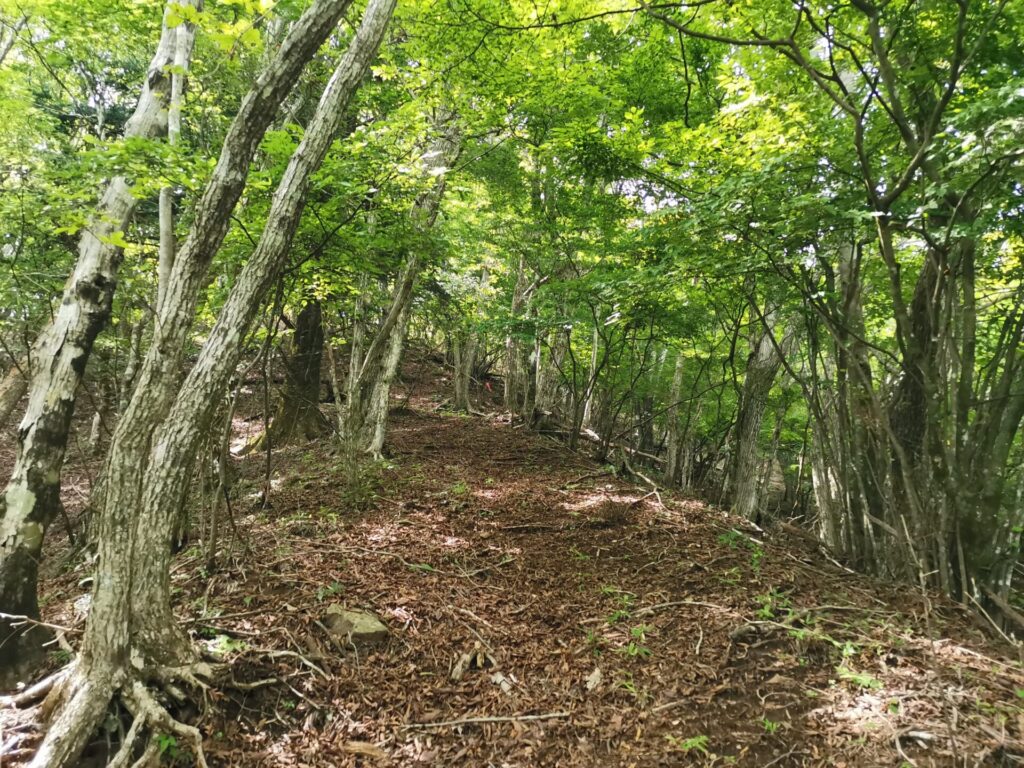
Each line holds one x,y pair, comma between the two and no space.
80,699
34,693
124,754
142,704
150,756
196,675
289,429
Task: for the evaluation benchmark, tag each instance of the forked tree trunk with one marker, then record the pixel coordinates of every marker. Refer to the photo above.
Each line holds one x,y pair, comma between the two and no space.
366,369
131,616
31,500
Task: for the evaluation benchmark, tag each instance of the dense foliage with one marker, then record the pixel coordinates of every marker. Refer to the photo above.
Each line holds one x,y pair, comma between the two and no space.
766,252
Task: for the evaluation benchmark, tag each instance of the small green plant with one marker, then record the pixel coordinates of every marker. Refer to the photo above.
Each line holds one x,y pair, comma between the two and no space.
770,726
223,645
731,538
756,556
730,577
167,745
333,589
635,649
860,679
288,704
328,514
577,554
620,614
734,539
626,683
594,641
459,489
772,604
423,567
692,744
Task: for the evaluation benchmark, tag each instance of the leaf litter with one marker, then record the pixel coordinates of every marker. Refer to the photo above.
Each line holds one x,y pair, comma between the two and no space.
542,611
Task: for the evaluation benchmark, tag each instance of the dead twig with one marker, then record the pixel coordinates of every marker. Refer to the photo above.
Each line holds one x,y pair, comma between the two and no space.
675,603
471,720
19,620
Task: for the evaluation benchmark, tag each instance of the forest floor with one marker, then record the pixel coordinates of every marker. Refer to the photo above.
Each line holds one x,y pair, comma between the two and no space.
544,612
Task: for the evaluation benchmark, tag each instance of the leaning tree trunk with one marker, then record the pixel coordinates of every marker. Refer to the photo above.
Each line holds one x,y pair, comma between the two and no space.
131,637
31,500
762,368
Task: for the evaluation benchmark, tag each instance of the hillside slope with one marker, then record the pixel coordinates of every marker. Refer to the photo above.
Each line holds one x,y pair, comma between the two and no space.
543,612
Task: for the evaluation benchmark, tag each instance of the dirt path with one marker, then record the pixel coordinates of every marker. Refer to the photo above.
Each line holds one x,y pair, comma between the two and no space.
634,634
618,631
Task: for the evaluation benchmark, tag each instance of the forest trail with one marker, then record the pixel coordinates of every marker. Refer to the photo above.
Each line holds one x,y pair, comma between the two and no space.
624,631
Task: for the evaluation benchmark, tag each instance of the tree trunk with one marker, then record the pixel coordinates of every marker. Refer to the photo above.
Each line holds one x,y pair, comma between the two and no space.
591,388
298,415
381,398
515,374
366,370
674,438
31,500
131,615
465,355
762,368
182,54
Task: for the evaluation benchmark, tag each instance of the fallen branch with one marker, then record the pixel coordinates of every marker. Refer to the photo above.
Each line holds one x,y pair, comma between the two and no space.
33,693
272,653
471,720
674,603
1008,610
18,620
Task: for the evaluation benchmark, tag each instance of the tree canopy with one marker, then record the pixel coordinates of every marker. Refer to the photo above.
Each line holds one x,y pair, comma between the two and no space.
768,253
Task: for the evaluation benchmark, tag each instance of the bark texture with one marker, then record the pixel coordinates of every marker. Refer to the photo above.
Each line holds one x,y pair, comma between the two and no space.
131,635
298,415
368,385
762,368
31,500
